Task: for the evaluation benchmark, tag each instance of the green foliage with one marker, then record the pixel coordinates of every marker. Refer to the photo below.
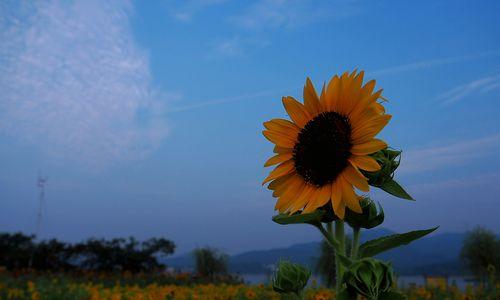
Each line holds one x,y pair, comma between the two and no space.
389,161
369,218
17,250
122,254
376,246
210,262
290,278
481,252
299,218
392,295
369,277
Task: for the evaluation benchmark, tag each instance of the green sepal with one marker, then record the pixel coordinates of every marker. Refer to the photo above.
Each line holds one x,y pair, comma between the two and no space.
370,217
392,295
290,278
376,246
389,160
392,187
312,218
369,277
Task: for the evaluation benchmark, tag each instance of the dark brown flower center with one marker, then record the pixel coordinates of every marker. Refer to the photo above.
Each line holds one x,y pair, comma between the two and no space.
323,148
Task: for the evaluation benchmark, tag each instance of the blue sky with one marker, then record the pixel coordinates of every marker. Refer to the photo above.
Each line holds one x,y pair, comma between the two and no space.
147,115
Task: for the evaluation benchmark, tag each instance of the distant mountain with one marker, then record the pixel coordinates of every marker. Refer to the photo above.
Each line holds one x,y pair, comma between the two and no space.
437,254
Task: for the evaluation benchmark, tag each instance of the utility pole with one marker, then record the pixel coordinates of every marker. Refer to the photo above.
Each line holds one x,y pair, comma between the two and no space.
41,181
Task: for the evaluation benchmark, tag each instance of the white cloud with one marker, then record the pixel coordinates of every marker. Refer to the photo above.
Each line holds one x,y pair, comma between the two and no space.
74,81
466,182
238,46
265,14
426,64
478,86
456,154
239,98
185,10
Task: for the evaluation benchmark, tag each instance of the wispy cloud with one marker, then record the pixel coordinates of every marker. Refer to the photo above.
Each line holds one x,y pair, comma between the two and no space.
478,86
456,154
74,82
266,14
238,46
426,64
465,182
233,48
185,10
244,97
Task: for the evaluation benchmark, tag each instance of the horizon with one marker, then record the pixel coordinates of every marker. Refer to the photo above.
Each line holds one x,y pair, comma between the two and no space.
146,117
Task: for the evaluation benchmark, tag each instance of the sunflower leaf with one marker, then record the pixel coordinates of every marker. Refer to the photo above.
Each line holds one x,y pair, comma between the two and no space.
392,295
376,246
393,188
313,218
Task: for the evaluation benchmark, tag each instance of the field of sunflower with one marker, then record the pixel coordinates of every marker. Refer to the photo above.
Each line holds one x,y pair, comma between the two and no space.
57,287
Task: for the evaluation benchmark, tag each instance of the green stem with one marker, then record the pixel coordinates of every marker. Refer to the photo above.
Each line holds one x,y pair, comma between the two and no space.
356,232
327,234
340,237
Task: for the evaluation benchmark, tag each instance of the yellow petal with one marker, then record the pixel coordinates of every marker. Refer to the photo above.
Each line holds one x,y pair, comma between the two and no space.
321,199
311,100
355,177
332,93
296,187
277,182
279,158
281,170
341,104
279,139
350,198
322,99
303,198
365,163
363,106
283,185
353,92
296,111
369,147
368,131
282,150
282,126
336,198
379,108
367,89
310,204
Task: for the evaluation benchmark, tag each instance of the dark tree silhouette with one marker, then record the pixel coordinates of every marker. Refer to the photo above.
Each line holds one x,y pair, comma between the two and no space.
210,262
16,251
481,252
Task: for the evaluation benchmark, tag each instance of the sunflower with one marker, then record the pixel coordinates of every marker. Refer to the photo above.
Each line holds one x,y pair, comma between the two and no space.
321,151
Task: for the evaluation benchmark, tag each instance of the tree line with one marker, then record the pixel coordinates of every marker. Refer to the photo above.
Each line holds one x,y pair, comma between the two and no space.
20,251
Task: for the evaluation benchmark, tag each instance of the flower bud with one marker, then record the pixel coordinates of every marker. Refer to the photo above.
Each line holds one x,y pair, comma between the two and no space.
290,278
369,218
369,277
389,161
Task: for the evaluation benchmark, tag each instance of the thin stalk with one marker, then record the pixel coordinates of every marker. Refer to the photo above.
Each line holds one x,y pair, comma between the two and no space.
356,232
340,237
327,234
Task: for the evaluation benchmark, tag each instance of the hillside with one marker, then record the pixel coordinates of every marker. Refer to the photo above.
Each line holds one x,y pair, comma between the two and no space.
437,254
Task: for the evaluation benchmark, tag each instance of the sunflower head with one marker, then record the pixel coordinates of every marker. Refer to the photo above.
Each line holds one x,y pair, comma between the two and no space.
322,149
